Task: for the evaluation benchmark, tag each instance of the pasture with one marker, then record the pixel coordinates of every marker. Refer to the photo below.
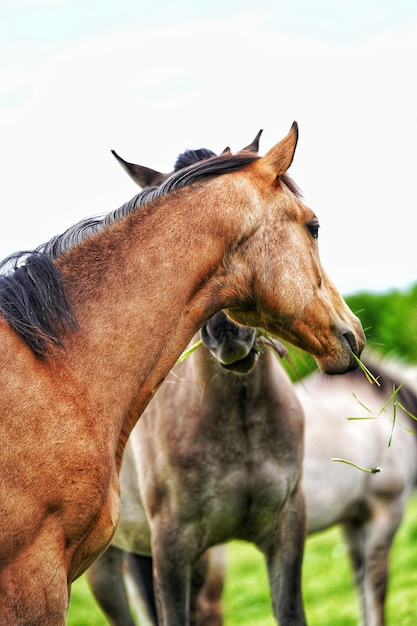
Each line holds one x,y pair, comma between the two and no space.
329,595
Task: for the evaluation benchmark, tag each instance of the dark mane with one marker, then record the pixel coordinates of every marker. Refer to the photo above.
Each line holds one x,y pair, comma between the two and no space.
215,166
188,157
209,168
34,302
32,296
292,186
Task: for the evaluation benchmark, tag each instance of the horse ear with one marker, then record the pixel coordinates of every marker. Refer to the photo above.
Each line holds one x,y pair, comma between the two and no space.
226,150
279,158
254,145
143,176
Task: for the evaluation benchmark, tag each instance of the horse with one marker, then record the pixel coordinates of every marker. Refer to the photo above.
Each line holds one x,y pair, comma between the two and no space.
345,419
372,426
216,455
94,320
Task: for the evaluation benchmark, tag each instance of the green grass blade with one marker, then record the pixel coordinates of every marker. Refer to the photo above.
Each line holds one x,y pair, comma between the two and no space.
371,378
189,351
370,470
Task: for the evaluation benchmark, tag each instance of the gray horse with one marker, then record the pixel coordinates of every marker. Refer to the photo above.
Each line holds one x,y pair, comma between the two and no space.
216,456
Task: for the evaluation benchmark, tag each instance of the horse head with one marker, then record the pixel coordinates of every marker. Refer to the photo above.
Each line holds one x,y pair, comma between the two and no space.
300,304
232,345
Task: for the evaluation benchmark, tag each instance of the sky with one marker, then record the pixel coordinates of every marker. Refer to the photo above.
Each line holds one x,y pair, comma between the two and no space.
152,78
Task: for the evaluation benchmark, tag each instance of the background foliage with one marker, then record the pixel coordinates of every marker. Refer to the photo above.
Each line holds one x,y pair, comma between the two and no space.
389,320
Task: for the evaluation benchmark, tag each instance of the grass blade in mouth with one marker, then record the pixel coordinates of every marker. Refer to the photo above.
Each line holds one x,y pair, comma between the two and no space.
371,378
189,351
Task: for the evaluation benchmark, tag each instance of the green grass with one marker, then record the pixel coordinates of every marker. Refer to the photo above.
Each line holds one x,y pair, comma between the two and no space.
329,596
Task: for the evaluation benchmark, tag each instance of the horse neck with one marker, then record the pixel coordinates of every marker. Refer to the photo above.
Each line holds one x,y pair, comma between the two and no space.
250,411
142,287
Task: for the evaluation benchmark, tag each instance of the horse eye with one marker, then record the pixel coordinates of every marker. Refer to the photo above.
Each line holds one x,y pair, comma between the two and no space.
313,228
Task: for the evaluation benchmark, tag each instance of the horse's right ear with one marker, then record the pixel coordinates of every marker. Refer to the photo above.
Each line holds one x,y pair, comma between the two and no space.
279,158
143,176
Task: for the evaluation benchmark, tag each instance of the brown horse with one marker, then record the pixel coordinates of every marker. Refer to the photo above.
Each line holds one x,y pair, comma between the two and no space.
92,323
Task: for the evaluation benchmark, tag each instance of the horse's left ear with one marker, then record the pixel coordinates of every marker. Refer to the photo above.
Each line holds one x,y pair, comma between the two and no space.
279,158
143,176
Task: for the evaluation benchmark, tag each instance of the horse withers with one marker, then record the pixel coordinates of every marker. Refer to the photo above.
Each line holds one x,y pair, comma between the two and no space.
94,320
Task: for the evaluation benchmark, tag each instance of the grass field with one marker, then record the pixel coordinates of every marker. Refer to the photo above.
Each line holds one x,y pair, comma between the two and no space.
329,595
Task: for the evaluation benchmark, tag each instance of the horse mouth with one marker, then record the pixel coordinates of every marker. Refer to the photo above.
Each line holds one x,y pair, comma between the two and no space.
242,366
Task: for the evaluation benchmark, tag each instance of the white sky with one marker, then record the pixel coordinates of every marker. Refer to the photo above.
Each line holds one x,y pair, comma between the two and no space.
150,79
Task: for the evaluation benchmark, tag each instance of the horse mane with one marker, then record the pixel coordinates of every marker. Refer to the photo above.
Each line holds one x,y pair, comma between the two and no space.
214,166
188,157
32,295
34,302
292,186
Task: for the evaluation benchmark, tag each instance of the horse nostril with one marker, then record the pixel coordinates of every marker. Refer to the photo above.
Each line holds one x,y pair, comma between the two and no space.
351,339
207,339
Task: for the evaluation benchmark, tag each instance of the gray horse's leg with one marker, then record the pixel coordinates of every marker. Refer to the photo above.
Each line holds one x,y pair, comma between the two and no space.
355,537
141,570
284,556
209,600
106,580
206,586
369,544
172,580
179,574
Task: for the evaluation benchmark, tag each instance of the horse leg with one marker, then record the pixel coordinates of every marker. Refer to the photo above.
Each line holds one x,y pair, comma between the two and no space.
284,551
172,572
208,603
34,596
34,587
141,567
105,577
369,544
199,575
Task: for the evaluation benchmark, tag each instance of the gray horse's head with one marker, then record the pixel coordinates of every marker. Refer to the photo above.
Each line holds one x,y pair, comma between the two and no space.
232,345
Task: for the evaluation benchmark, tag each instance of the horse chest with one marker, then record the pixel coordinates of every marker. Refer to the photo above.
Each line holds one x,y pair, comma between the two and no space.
248,498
